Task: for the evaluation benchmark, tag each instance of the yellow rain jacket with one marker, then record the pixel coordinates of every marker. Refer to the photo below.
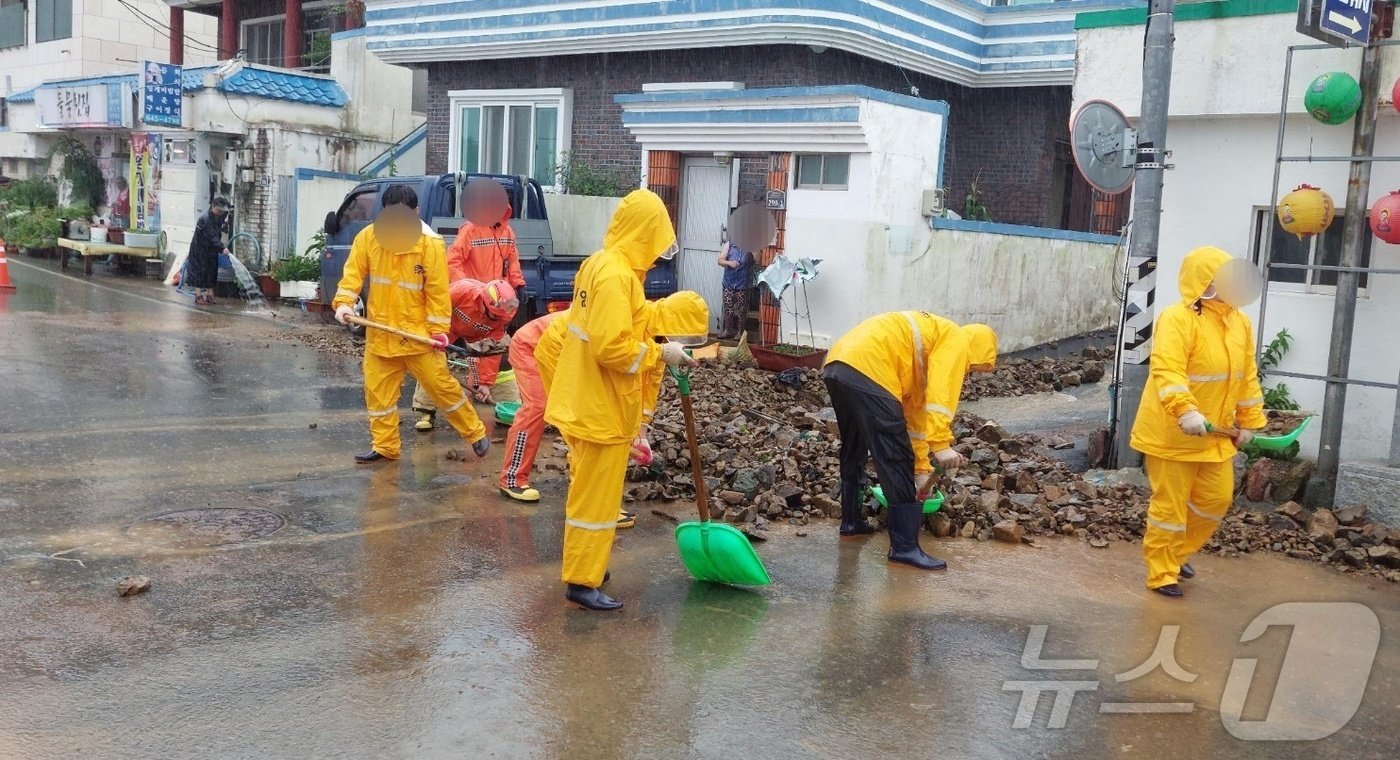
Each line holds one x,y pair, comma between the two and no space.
1203,360
606,352
921,359
683,313
407,290
550,346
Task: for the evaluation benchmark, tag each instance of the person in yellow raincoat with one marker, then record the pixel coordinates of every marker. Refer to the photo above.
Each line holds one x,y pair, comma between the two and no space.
408,290
605,355
1203,374
894,382
681,314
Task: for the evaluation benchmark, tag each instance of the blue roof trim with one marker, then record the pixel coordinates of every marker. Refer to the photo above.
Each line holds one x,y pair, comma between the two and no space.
304,174
942,31
348,34
770,93
937,39
278,85
249,80
848,114
1020,230
23,96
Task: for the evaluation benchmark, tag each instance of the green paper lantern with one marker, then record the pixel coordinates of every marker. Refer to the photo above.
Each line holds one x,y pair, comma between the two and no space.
1333,97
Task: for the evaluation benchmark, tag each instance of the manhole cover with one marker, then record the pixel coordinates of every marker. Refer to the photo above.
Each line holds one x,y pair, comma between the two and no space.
211,526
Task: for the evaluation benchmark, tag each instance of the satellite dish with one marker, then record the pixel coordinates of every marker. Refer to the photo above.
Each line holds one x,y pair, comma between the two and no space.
1105,147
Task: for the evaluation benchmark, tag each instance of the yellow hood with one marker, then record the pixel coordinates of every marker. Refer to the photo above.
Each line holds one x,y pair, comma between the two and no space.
981,344
1198,270
640,230
681,314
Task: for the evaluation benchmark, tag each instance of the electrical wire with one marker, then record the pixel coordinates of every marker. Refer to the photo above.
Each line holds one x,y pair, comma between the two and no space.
163,29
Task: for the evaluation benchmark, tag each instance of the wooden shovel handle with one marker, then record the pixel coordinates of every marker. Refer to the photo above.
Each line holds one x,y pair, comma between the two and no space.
416,338
354,320
702,496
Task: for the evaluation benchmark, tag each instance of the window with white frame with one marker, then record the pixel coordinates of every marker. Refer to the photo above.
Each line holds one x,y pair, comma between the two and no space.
823,171
13,23
1324,249
263,38
510,131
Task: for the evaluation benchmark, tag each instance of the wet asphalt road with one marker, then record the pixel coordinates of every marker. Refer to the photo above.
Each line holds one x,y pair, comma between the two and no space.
308,608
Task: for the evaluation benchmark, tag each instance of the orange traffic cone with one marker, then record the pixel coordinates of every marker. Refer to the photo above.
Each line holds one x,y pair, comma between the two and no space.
5,283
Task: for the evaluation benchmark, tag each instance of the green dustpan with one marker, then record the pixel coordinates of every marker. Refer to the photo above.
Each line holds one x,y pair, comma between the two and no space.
1267,442
931,504
712,551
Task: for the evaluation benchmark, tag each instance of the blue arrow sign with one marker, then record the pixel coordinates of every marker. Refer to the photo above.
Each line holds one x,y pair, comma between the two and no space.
1348,19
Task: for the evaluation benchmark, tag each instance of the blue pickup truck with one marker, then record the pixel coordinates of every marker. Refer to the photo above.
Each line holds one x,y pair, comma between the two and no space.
549,279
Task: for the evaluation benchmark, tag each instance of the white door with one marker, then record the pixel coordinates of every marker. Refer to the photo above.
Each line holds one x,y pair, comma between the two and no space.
705,189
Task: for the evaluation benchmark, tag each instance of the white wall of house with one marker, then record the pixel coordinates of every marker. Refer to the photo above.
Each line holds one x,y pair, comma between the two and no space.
380,94
104,32
879,254
1226,91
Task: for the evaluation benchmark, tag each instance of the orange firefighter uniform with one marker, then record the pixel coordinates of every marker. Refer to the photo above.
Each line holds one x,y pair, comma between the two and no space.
605,355
485,253
1202,361
471,322
407,290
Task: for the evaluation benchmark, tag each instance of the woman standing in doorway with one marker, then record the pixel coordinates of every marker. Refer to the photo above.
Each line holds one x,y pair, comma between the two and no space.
205,248
736,262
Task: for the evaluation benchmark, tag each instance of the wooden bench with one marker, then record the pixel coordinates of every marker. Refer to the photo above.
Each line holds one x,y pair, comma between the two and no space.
89,250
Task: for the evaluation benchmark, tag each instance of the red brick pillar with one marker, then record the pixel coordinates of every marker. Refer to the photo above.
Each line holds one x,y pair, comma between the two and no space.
664,179
177,36
770,316
291,36
228,31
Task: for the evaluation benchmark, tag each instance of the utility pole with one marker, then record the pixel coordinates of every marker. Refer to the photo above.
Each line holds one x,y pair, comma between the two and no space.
1147,223
1322,487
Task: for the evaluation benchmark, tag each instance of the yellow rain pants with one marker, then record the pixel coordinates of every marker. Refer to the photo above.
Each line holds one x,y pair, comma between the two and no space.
384,382
1188,501
597,476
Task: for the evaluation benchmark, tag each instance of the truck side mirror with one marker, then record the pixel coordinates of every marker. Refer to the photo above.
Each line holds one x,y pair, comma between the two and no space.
332,224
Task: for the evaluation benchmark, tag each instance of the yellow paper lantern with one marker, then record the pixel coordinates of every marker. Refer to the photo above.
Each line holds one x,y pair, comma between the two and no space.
1306,211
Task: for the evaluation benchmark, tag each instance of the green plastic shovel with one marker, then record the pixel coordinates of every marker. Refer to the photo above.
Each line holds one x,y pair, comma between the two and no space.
1265,442
712,551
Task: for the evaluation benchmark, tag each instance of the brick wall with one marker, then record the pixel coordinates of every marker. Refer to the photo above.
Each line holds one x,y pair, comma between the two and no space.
1008,133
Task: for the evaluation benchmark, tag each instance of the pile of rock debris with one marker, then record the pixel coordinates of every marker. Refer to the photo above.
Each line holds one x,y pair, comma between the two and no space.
769,452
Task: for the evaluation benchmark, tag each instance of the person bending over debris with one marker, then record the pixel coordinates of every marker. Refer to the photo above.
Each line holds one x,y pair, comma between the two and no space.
1202,370
480,310
894,382
407,272
597,404
484,251
534,353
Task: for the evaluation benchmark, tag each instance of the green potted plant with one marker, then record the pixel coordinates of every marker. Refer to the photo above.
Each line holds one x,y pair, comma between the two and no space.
298,277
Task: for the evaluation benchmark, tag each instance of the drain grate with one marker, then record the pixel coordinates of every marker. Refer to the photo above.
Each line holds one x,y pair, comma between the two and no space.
211,526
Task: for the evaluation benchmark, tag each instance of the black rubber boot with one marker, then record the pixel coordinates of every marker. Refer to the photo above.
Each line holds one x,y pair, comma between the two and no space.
369,457
905,520
1171,589
591,598
1187,572
852,520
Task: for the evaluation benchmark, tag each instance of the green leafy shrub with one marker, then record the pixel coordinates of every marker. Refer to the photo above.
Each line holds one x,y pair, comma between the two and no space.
1277,396
297,268
579,177
31,193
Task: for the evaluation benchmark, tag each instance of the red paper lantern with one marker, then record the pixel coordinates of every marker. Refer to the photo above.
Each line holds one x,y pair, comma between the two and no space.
1385,218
